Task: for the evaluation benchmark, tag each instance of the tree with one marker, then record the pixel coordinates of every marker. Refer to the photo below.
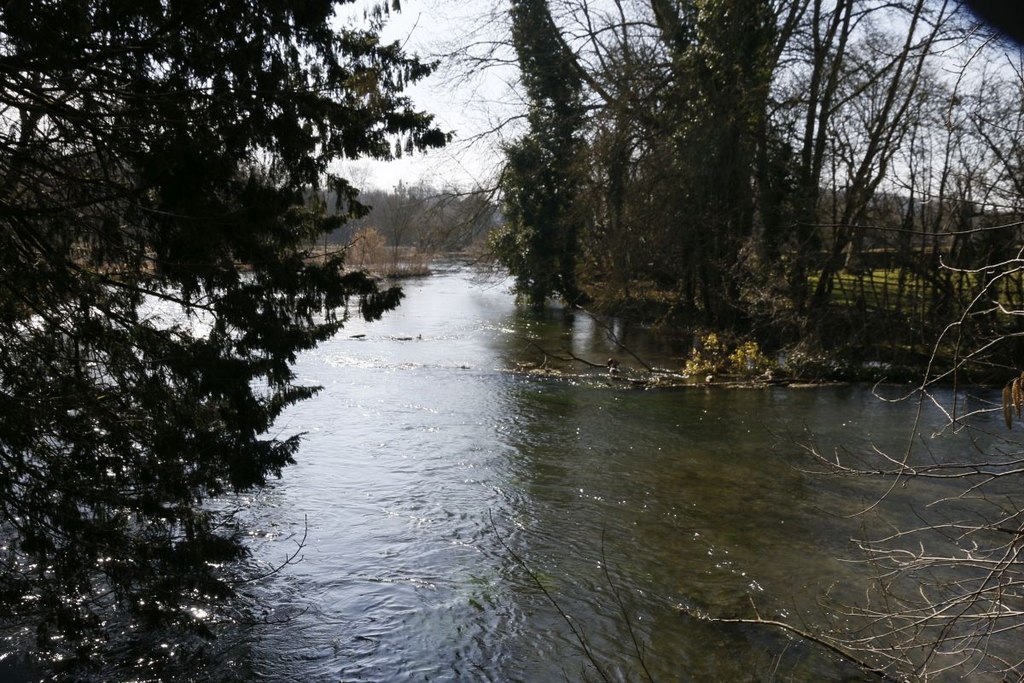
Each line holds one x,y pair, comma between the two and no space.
738,157
721,62
541,178
948,592
675,95
946,601
154,285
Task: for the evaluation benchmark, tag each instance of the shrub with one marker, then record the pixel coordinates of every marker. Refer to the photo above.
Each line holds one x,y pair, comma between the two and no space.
712,355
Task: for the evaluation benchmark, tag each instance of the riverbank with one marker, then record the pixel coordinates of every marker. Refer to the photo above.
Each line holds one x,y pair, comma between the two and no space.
867,329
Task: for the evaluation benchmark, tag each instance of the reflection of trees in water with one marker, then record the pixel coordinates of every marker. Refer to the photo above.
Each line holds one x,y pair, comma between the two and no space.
946,593
681,496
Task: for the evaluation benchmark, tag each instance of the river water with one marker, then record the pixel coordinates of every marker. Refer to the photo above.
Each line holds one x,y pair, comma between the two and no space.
468,523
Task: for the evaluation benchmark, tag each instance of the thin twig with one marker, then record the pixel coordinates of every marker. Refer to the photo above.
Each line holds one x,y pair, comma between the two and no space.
550,598
810,637
625,614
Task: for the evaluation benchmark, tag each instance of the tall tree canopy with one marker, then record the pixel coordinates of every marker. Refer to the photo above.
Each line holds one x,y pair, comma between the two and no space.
790,170
155,158
541,179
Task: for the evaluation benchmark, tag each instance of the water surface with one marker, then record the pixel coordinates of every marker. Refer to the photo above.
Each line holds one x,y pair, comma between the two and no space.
468,523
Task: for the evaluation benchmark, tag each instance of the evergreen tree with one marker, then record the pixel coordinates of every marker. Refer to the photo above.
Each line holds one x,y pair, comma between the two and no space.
721,70
155,283
541,180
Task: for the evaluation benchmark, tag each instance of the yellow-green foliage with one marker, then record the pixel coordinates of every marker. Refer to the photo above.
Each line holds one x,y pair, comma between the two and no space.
747,359
713,355
708,356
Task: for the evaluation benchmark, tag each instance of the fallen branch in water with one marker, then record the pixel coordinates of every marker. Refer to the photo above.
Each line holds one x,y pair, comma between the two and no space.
651,377
613,371
615,339
805,635
565,359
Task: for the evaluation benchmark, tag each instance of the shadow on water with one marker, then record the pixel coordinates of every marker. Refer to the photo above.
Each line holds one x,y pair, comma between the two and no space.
561,332
15,668
429,467
692,504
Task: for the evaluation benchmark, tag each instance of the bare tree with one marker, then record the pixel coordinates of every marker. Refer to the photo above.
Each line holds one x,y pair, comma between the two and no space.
949,592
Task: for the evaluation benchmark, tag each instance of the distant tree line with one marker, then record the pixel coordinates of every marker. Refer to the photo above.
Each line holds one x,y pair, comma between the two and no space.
838,172
419,217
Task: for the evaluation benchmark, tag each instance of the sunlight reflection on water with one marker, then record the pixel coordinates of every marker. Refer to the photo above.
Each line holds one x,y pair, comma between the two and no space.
428,470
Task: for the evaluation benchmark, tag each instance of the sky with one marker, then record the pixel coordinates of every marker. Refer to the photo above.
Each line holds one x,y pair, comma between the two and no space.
475,104
469,102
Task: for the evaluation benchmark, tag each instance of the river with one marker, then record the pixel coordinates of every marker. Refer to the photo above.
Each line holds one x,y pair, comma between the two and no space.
468,523
454,517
